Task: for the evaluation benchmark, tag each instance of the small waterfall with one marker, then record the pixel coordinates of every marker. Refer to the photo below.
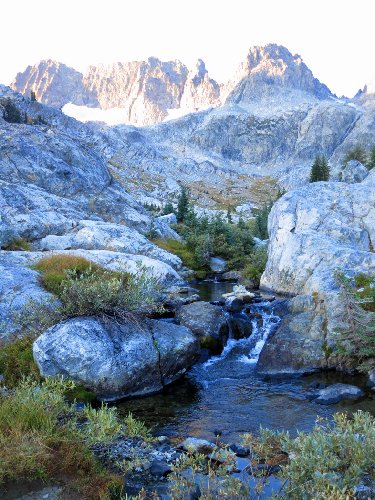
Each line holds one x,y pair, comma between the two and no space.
260,335
247,350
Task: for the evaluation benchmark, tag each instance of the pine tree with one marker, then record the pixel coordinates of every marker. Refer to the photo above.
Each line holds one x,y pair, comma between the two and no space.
33,95
357,153
168,208
371,163
319,170
183,203
325,171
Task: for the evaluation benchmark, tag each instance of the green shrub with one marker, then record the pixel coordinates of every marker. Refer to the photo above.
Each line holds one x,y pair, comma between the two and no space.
357,153
12,113
255,265
183,251
86,289
331,456
357,344
326,463
40,438
108,294
16,361
17,244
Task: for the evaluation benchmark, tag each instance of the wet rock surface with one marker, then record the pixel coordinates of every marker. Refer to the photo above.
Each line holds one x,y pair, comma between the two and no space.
338,392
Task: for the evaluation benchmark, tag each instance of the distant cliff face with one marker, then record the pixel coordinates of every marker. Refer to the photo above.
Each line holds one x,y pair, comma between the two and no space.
147,90
54,84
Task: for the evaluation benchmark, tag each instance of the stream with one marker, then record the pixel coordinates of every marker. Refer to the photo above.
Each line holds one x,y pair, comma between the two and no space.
225,395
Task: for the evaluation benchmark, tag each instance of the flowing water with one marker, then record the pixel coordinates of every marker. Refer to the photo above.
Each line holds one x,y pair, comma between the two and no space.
225,394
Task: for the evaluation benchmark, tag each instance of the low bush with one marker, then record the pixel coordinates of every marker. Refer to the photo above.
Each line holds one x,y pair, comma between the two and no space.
183,251
86,289
255,265
41,437
328,462
205,237
18,244
357,344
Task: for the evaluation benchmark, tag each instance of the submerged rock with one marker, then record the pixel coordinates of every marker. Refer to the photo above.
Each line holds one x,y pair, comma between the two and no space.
116,360
195,445
338,392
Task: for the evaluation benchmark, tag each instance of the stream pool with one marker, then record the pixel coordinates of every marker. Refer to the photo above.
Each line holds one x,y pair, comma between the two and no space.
226,395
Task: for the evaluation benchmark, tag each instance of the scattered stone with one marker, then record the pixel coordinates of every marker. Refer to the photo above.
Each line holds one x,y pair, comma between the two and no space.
206,321
231,276
160,469
371,380
234,304
240,451
195,445
338,392
263,469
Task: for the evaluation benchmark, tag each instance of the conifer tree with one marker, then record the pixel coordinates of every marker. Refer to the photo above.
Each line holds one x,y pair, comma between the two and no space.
319,170
168,208
371,163
356,153
182,205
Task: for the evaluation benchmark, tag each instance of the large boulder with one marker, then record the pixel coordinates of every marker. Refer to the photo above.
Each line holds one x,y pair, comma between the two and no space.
315,231
98,235
297,345
116,360
21,297
353,172
207,321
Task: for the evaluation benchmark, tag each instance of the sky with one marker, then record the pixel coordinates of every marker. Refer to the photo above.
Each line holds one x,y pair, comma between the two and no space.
336,39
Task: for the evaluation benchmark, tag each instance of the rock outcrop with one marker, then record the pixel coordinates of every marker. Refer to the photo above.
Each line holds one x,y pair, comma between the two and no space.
315,231
353,172
58,194
116,360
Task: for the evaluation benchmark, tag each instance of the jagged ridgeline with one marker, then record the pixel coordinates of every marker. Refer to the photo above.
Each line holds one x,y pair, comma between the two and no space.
266,125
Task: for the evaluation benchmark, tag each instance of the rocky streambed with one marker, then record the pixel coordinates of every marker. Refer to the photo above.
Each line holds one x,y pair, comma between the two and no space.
224,396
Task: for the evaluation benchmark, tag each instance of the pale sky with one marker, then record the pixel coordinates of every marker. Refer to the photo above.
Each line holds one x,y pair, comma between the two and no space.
336,39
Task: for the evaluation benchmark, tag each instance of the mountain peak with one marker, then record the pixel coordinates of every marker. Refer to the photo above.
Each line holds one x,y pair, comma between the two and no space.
272,67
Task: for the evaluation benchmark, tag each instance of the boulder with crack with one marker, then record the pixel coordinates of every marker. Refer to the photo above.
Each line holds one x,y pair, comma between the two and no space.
116,360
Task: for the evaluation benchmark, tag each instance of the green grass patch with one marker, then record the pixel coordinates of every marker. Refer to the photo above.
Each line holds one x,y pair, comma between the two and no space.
16,361
40,438
18,244
87,289
186,254
53,270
